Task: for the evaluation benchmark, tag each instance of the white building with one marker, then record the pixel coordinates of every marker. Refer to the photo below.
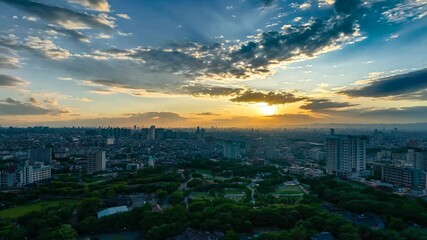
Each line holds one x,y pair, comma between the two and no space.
96,161
35,173
346,155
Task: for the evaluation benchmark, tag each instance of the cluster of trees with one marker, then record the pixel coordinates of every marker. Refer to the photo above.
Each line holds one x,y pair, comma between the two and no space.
400,213
51,223
229,216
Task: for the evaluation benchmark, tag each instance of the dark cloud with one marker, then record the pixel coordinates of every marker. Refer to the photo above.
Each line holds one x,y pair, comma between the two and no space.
10,106
160,60
322,104
61,16
32,106
213,91
396,85
270,98
11,81
206,114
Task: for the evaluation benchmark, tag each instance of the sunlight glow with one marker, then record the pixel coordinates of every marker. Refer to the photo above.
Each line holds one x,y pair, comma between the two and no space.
266,109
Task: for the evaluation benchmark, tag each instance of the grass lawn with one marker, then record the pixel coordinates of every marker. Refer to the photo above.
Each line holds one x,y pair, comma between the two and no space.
293,189
19,211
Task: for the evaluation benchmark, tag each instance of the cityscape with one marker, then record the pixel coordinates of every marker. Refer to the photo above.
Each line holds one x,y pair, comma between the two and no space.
104,178
213,120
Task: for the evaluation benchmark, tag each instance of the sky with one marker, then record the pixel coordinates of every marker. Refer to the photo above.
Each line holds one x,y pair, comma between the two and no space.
221,63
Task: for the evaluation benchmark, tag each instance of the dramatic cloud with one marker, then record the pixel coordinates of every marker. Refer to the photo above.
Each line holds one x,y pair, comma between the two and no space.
258,57
10,81
396,85
321,104
62,16
270,98
97,5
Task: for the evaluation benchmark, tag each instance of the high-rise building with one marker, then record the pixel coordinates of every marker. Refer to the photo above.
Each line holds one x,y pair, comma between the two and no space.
232,150
96,161
346,155
420,160
152,133
40,155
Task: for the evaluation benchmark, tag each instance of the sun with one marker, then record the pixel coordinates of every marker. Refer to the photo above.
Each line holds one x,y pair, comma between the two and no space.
266,109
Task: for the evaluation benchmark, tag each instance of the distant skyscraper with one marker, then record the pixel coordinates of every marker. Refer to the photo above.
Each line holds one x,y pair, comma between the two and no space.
346,155
232,150
96,161
152,133
40,155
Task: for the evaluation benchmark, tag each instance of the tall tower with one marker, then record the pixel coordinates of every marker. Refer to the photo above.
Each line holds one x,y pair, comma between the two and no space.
152,133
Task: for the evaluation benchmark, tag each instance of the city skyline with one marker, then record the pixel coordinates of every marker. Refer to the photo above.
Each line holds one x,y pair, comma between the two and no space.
212,63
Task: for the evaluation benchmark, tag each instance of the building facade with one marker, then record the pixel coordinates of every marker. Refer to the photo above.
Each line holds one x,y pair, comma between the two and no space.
346,155
96,161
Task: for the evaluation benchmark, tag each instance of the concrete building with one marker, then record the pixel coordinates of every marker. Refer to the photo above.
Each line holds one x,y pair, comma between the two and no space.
403,176
35,173
96,161
297,170
346,155
152,133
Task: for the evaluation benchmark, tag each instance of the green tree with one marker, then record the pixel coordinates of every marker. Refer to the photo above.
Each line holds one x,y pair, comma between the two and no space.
64,232
176,197
231,235
160,194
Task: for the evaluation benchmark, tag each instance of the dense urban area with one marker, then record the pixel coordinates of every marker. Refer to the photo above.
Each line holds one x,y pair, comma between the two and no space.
160,183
